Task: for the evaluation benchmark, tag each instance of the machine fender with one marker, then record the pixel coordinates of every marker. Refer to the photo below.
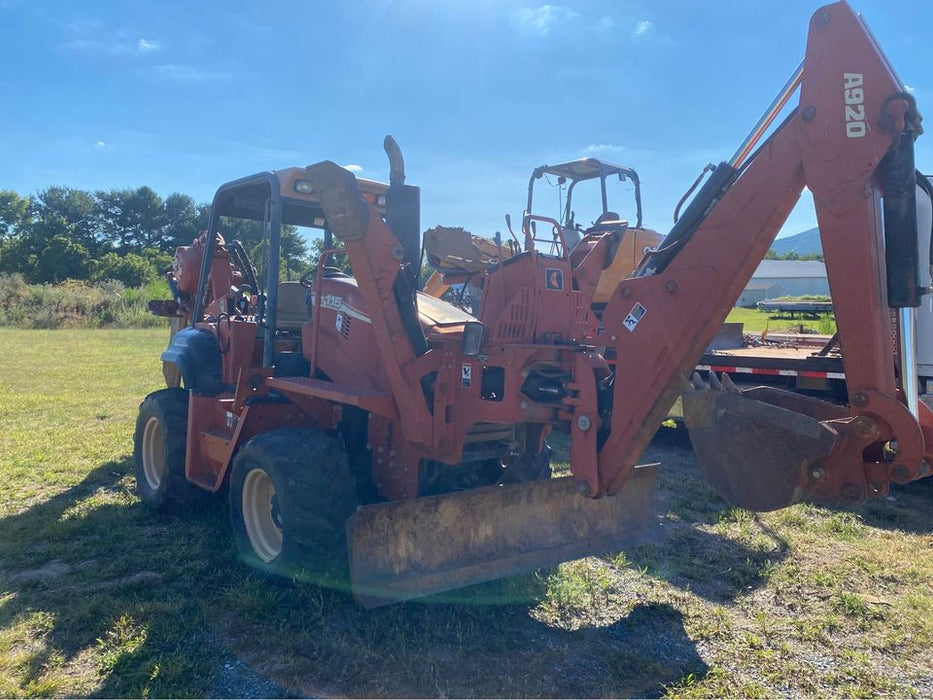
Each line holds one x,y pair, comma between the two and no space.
194,352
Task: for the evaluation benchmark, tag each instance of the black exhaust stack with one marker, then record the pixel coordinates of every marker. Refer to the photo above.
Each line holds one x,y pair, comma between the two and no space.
403,211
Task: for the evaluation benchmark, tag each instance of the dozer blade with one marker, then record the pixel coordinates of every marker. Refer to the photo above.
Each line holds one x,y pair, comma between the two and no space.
757,448
414,548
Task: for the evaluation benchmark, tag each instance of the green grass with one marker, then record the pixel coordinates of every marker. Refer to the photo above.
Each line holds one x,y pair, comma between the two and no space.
78,304
92,603
757,321
99,596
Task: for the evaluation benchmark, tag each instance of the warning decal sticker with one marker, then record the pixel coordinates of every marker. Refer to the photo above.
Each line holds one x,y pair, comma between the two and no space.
635,315
554,279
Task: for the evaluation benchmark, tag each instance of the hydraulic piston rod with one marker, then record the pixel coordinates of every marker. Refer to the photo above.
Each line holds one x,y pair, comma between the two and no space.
907,325
767,118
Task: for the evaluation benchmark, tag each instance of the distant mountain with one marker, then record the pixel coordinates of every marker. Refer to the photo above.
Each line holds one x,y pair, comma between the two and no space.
802,243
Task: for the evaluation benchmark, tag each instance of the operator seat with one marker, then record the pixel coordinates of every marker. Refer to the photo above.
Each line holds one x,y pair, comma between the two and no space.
292,307
571,237
608,221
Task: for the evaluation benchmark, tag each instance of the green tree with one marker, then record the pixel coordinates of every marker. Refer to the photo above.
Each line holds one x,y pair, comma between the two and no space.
67,212
341,261
183,220
131,269
62,258
160,261
48,249
793,255
250,233
293,253
12,255
132,219
14,212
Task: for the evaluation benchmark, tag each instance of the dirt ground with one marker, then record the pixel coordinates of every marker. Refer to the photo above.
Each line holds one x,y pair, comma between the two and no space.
720,604
102,597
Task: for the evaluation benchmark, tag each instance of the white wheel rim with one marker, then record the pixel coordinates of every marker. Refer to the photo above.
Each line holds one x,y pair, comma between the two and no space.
260,515
153,454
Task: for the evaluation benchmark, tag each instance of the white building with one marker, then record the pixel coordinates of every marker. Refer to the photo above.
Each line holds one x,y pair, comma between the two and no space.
785,278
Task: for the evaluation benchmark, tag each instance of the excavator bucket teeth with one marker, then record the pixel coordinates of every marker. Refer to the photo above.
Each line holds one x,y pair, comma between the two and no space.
407,549
755,453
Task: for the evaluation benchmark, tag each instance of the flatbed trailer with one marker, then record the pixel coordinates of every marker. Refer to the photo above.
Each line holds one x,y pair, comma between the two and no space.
812,309
799,367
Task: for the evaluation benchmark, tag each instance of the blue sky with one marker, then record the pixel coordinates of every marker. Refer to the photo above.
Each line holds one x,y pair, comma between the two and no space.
183,96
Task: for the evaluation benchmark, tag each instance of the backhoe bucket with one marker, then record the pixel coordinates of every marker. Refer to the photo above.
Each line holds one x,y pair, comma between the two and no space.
413,548
758,448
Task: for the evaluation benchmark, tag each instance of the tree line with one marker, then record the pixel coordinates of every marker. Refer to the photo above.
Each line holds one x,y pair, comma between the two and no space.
772,255
127,234
130,235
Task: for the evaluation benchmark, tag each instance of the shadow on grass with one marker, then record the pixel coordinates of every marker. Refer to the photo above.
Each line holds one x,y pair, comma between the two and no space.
684,492
329,646
104,588
908,508
710,565
132,603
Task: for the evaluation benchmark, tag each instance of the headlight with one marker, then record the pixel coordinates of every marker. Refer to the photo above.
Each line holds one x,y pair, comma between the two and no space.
472,338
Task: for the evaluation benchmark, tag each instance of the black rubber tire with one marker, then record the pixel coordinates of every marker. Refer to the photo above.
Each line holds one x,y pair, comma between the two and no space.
314,494
164,411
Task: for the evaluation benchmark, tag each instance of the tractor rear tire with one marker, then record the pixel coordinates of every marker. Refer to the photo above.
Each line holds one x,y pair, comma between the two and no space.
291,492
159,452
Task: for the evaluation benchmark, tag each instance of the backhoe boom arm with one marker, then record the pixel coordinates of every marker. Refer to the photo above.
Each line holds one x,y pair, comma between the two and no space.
853,113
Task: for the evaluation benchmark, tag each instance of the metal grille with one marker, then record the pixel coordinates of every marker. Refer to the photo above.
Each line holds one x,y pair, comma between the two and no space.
582,319
516,322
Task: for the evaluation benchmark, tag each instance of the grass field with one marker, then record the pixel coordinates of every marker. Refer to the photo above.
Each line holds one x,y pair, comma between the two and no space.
757,321
101,597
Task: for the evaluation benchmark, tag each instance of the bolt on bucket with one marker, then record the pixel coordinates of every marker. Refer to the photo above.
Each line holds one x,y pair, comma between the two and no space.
762,448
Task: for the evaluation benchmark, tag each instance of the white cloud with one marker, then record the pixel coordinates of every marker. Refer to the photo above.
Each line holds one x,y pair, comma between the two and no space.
539,21
85,26
111,45
604,148
100,144
93,37
910,88
86,45
353,168
642,27
188,74
605,24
